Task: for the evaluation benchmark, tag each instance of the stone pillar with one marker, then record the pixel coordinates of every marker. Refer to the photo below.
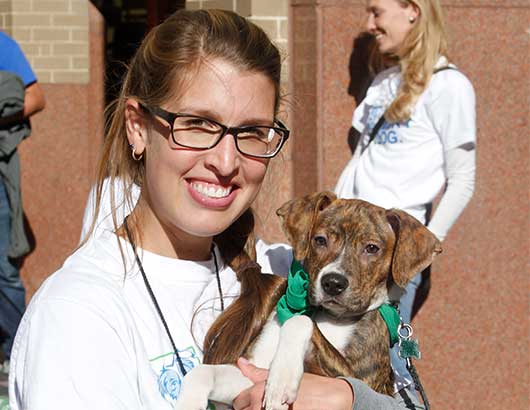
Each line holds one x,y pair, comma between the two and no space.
474,326
305,98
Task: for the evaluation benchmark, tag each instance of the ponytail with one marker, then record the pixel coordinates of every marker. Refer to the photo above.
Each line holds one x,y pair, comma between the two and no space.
241,322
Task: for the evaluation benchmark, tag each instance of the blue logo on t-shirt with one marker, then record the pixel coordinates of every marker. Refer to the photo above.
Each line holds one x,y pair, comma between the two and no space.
170,376
388,133
374,113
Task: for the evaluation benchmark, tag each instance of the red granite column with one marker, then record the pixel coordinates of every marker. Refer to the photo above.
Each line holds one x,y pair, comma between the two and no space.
305,85
58,162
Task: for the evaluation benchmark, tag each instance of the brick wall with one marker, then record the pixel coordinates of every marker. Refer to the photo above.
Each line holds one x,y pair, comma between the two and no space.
270,15
53,34
242,7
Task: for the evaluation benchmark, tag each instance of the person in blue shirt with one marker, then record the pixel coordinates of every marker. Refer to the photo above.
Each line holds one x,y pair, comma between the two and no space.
12,295
12,59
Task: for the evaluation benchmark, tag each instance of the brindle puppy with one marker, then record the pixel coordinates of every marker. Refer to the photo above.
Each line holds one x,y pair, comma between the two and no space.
356,255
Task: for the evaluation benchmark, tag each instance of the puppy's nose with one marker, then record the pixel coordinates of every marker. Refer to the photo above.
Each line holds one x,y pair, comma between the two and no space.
334,284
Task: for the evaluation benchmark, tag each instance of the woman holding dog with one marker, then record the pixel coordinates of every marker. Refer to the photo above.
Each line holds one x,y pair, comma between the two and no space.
417,123
128,314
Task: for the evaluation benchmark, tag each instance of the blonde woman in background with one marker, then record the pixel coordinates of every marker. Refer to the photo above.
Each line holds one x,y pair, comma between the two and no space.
426,139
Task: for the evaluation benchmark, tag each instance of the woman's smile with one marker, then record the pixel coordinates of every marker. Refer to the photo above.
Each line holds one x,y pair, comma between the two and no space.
210,190
212,195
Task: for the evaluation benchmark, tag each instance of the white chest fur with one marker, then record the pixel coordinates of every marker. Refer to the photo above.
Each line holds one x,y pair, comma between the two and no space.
338,334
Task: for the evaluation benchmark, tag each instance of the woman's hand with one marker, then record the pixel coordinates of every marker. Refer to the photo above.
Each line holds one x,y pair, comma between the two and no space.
316,392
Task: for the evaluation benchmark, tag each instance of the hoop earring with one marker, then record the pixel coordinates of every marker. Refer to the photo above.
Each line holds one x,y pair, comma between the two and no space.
133,153
412,20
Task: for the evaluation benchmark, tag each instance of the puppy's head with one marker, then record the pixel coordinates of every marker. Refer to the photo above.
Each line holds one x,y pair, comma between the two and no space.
353,251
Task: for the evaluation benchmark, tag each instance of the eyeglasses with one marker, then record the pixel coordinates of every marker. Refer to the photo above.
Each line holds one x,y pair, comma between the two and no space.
192,131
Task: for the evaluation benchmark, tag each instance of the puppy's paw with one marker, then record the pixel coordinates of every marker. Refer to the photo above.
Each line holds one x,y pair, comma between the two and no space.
282,385
195,390
287,367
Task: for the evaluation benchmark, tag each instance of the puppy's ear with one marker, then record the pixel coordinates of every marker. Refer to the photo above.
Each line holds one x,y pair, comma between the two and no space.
415,246
298,217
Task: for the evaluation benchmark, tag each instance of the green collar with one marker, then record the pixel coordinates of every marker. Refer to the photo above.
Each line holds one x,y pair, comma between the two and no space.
391,317
294,302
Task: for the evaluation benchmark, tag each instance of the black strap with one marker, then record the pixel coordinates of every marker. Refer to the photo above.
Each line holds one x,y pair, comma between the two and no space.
153,298
447,67
419,387
375,130
381,120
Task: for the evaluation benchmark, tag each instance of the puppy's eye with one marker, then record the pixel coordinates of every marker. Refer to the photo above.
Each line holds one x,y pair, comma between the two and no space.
320,241
371,248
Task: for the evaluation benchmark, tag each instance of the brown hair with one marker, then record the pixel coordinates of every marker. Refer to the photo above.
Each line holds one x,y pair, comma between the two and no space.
164,62
422,48
241,322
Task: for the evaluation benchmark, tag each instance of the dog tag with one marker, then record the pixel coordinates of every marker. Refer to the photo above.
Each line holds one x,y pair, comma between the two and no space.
409,348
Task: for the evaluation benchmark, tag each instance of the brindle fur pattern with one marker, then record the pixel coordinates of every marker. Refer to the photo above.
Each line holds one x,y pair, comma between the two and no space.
373,249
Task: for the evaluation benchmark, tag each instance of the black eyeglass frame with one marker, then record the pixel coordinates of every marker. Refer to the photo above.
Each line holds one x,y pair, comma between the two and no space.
170,118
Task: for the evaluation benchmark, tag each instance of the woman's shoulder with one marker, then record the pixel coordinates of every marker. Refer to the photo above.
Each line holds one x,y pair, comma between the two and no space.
89,278
451,73
104,217
451,81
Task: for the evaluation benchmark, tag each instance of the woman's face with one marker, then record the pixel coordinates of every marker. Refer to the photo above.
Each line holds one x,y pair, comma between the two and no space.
192,194
389,21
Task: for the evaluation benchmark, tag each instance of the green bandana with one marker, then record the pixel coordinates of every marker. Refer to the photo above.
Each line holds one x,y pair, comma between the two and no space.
391,318
294,302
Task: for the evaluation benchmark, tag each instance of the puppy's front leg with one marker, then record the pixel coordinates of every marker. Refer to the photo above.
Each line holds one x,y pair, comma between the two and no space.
220,383
287,367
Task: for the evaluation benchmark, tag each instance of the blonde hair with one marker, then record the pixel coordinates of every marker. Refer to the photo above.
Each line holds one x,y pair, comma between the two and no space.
422,48
166,60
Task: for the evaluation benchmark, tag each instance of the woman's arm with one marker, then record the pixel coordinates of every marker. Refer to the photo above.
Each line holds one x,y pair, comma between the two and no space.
367,399
34,100
318,392
33,103
460,171
451,108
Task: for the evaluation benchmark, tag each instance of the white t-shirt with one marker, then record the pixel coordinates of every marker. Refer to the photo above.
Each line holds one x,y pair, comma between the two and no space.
92,325
104,218
404,166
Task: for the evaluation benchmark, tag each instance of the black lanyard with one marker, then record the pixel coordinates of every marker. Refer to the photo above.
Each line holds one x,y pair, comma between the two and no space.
155,301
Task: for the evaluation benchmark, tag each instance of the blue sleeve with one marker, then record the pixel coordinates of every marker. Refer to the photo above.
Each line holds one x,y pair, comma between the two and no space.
12,59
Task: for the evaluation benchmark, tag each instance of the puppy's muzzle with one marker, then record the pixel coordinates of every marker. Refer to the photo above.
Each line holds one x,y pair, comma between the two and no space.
334,284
